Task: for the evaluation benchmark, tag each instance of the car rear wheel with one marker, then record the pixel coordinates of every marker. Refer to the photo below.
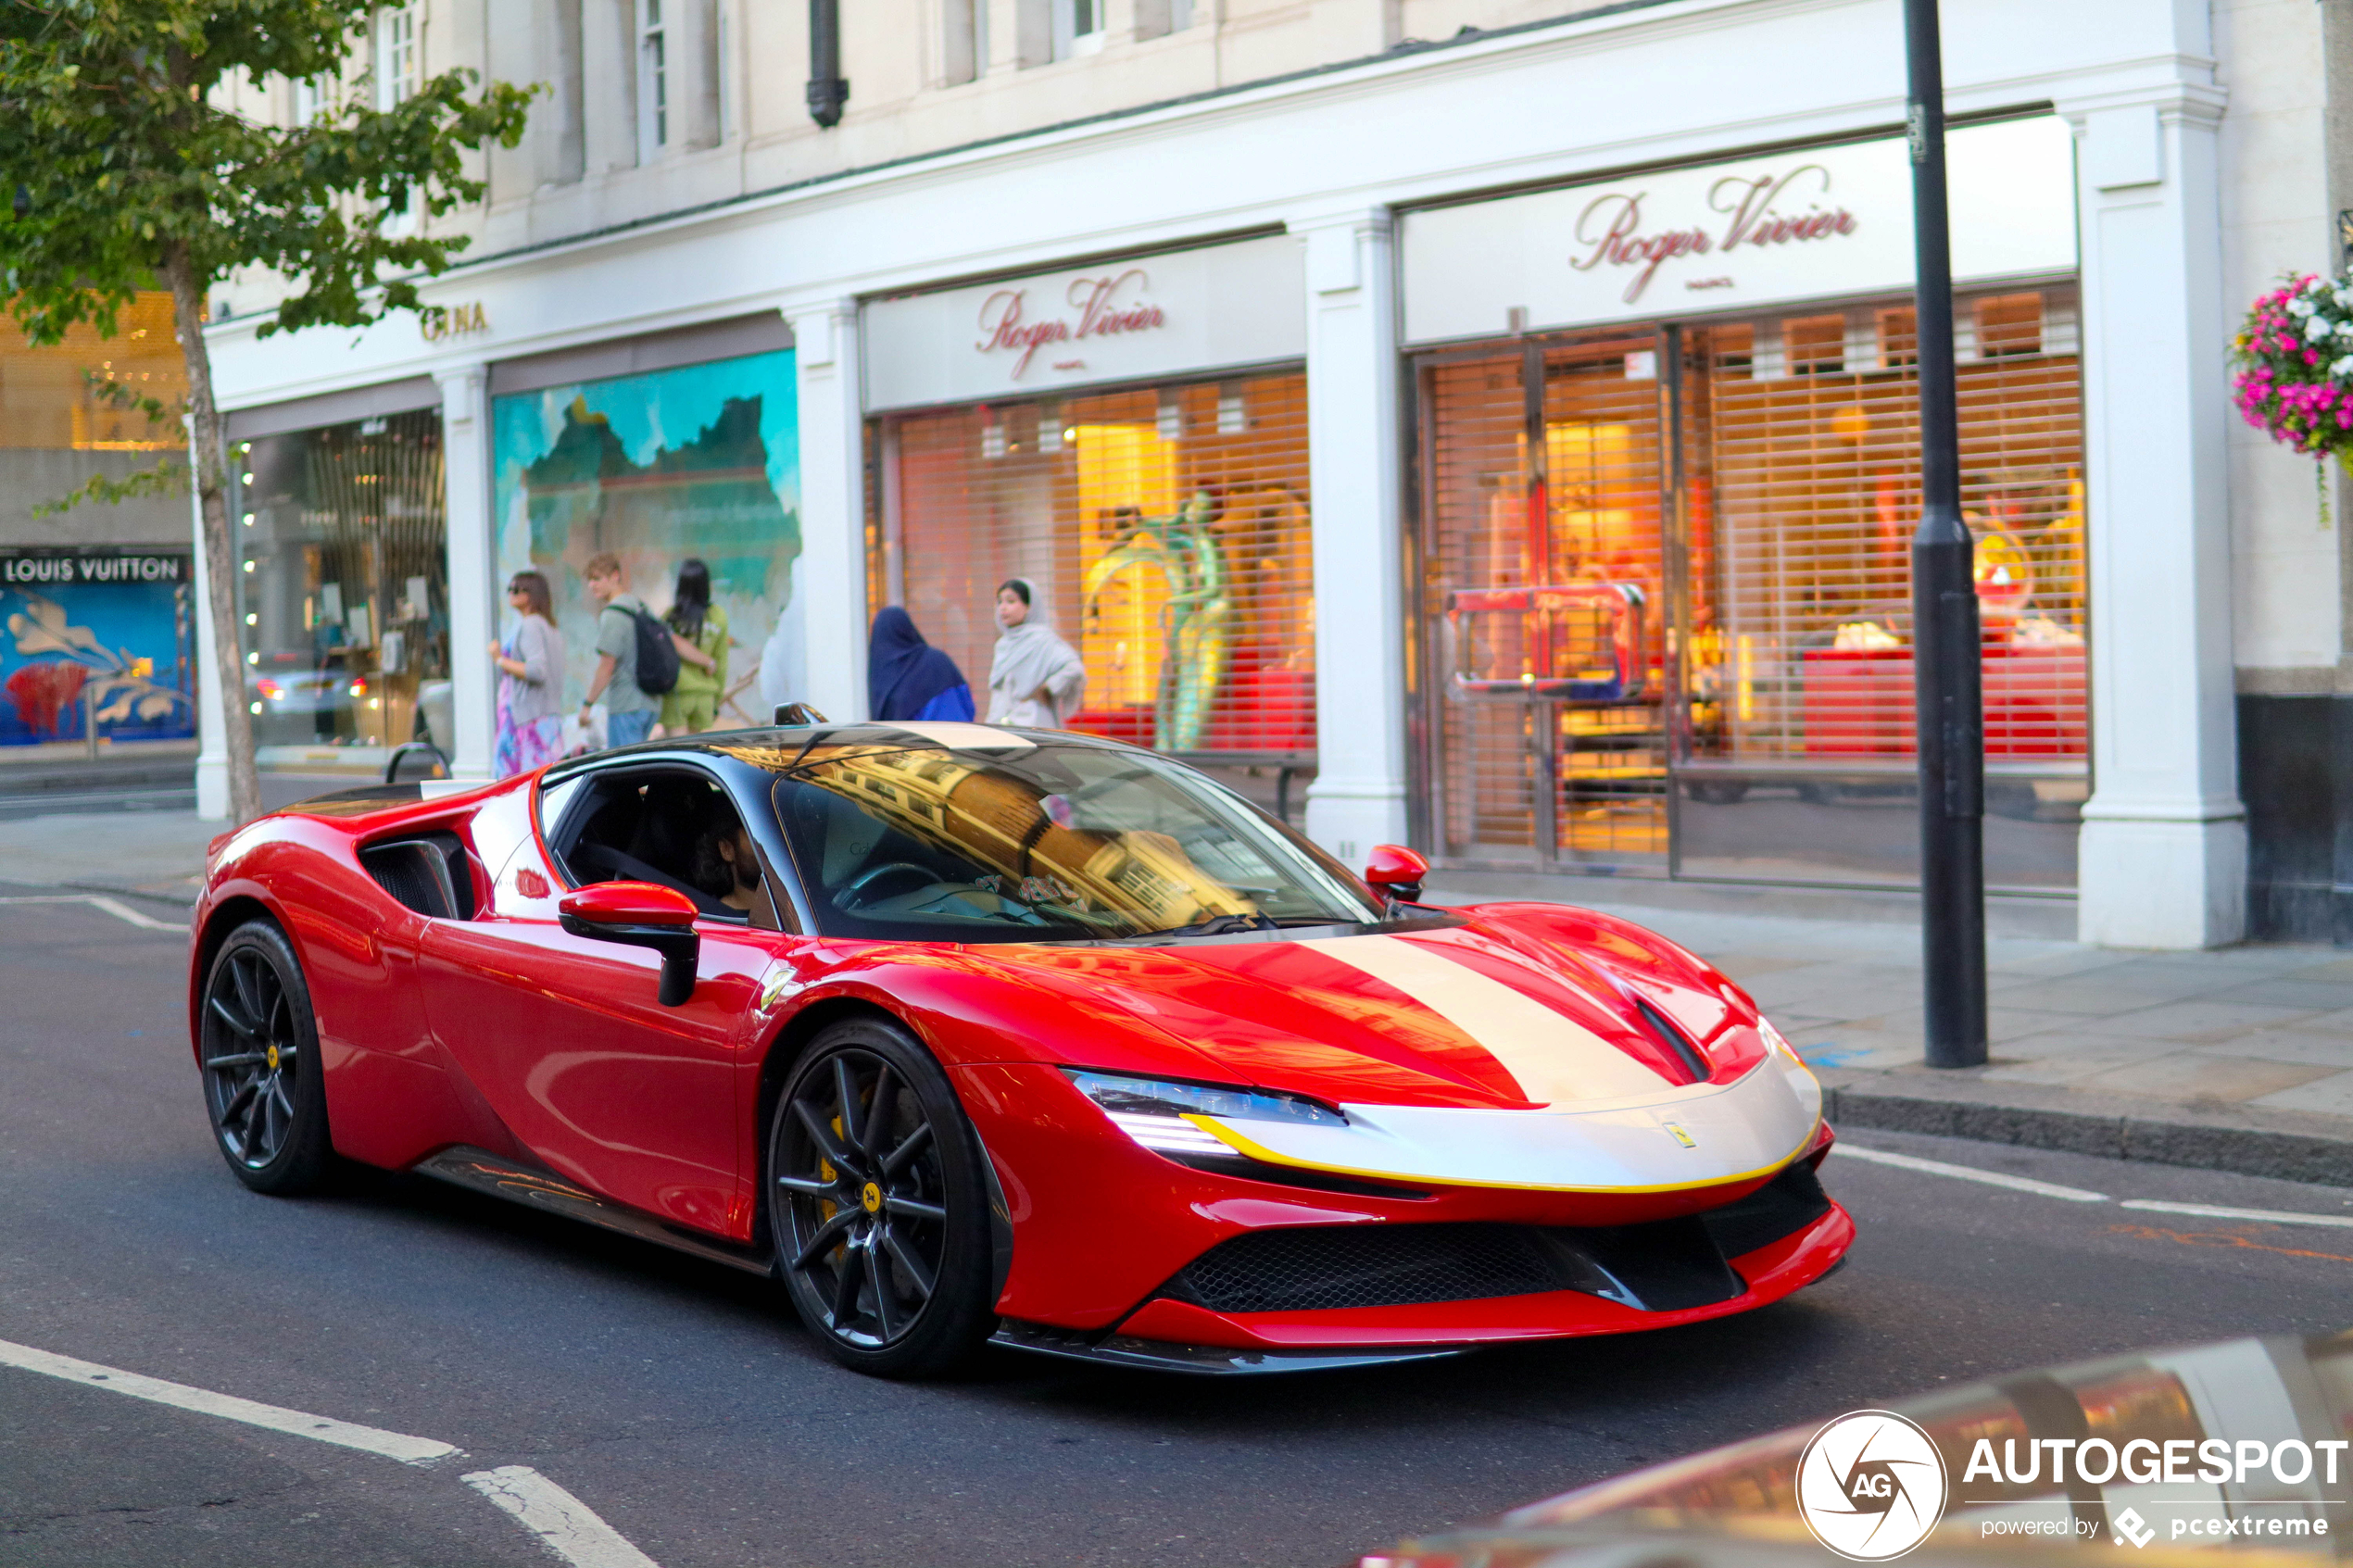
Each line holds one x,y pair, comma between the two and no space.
259,1044
878,1204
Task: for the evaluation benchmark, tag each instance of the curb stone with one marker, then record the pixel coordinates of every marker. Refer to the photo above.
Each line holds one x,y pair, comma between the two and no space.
2285,1145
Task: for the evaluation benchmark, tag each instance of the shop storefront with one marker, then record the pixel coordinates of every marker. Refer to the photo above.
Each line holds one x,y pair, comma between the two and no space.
343,592
1131,438
1667,477
99,645
658,450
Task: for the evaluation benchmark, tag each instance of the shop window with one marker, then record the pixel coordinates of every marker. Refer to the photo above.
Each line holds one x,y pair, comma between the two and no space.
698,462
55,396
1165,531
1764,589
1804,618
343,600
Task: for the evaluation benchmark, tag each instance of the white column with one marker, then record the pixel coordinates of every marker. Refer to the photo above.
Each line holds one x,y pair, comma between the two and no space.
2163,858
212,747
474,620
832,576
1358,799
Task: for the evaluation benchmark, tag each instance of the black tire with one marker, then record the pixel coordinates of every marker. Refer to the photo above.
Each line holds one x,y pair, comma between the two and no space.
258,1045
846,1188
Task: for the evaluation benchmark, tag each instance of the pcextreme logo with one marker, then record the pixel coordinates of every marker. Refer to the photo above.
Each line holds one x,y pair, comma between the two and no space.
1870,1486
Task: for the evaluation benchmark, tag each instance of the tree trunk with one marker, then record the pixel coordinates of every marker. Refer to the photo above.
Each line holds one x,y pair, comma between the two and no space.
221,561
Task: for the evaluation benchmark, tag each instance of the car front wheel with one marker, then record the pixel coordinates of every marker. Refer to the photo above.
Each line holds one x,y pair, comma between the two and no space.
878,1204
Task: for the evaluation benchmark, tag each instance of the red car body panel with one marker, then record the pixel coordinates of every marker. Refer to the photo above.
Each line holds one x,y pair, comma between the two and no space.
506,1033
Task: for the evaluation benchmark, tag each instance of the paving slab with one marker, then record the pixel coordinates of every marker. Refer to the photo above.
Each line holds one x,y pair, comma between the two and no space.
158,854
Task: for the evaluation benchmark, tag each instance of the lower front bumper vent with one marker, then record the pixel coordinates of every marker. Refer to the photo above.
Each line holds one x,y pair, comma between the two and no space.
1317,1266
1667,1265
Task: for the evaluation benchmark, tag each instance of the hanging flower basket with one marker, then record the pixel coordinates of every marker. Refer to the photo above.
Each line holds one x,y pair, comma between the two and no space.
2294,358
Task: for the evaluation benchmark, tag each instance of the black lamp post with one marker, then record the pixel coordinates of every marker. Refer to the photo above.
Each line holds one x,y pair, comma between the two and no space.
1950,716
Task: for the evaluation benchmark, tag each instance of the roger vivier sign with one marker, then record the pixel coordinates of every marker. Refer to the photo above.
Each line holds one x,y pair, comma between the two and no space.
1756,211
1178,312
1817,224
1100,306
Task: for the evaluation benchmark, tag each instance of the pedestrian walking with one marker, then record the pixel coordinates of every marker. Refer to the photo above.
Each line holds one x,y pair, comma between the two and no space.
909,680
531,681
630,710
1035,677
700,629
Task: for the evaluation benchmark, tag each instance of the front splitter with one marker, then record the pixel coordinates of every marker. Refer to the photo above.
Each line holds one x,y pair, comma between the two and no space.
1199,1360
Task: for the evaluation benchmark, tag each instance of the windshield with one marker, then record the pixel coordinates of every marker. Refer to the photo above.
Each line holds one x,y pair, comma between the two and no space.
1033,842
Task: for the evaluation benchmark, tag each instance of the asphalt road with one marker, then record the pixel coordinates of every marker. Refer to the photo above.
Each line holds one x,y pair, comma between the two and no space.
683,1404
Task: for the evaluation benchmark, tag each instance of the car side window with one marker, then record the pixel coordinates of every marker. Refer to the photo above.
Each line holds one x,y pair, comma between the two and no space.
677,830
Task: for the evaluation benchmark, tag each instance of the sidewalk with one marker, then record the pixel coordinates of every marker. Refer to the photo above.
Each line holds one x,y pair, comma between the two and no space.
153,855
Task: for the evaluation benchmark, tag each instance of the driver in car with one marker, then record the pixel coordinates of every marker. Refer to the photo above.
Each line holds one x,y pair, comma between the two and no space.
727,868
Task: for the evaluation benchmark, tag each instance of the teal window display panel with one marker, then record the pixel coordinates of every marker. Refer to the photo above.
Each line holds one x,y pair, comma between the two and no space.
700,462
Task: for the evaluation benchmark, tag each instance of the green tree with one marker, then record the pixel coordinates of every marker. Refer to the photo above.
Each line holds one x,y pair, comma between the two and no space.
130,172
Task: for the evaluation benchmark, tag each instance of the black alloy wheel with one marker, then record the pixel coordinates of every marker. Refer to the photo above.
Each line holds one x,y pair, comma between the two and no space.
259,1044
877,1204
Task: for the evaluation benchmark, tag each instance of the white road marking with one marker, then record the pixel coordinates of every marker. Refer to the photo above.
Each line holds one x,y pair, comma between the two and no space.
229,1407
567,1527
1970,1173
2213,1211
564,1525
114,907
2078,1195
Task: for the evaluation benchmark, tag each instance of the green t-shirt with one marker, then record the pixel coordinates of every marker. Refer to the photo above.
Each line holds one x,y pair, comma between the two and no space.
693,678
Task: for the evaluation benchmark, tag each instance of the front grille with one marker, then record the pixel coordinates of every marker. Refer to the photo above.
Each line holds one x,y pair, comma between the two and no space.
1667,1265
1320,1266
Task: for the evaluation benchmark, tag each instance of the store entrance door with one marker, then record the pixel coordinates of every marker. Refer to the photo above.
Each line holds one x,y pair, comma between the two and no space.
1543,545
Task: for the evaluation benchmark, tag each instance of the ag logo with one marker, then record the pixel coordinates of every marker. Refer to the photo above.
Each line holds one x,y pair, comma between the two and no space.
1870,1486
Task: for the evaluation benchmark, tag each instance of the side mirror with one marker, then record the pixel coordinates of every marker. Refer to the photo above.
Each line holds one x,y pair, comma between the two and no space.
790,714
1396,873
641,914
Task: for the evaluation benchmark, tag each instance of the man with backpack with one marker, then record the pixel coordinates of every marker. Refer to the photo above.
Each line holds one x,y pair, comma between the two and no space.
636,662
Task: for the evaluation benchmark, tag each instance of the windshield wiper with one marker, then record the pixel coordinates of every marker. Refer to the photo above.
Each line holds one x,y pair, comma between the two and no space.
1215,925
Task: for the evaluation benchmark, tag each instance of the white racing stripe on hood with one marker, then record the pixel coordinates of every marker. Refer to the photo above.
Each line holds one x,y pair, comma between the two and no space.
1553,1059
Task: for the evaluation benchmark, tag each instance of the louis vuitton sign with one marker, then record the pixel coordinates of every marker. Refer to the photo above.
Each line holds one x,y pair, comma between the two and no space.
1818,223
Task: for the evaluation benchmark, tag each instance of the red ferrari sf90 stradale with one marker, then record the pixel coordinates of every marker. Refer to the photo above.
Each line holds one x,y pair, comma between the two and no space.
970,1034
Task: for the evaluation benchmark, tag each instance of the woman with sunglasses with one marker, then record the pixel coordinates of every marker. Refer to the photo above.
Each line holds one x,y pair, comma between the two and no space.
531,681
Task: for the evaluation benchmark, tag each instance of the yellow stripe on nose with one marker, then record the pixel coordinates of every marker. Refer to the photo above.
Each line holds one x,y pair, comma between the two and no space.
1552,1058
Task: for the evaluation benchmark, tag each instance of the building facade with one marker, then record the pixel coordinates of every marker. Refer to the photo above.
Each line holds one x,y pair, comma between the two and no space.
1501,444
97,627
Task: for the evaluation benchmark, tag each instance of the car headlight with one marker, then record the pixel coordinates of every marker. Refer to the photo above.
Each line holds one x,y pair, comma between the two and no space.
1152,1110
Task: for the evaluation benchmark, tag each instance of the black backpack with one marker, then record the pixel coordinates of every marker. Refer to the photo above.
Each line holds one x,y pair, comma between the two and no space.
657,655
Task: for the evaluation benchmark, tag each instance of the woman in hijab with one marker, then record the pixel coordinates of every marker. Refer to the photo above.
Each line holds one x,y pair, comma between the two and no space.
909,680
1036,678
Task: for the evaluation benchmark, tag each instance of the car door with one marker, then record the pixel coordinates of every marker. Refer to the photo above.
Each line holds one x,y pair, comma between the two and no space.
563,1036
